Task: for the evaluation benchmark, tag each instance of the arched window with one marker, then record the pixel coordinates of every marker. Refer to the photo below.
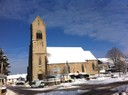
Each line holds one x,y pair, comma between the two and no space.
93,66
40,61
39,35
82,67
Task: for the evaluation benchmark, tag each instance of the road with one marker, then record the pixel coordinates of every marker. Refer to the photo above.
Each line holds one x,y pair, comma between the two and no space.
21,90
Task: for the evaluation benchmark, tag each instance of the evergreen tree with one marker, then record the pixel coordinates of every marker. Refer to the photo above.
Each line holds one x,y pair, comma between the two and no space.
4,65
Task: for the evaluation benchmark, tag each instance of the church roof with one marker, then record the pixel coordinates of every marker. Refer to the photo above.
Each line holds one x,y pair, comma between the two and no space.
68,54
37,19
89,56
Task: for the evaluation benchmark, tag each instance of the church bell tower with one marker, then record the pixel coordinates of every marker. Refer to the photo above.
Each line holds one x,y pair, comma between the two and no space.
37,68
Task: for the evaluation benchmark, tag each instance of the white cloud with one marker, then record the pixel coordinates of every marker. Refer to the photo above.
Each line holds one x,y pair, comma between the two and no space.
99,19
109,23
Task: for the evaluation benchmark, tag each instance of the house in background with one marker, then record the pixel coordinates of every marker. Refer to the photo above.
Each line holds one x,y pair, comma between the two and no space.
105,64
13,79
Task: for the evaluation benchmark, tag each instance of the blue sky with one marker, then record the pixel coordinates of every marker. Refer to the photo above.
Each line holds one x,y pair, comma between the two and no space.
95,25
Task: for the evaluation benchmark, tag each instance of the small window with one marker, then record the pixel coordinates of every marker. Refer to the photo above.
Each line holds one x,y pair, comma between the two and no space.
39,35
38,22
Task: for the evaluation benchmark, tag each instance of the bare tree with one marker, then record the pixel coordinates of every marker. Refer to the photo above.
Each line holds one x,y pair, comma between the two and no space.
64,71
117,57
98,68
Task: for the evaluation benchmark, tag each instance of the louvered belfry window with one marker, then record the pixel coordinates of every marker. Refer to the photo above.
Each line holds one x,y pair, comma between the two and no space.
39,35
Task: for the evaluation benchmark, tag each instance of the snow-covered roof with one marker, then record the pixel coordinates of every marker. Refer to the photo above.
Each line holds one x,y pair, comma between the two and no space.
67,54
16,76
89,56
105,60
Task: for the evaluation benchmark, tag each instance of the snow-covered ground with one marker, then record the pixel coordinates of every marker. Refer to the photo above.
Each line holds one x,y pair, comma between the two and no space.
99,80
61,89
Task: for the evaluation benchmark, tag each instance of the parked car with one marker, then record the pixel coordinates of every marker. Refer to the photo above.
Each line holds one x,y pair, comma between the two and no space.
37,83
85,76
79,76
20,81
114,76
3,90
52,79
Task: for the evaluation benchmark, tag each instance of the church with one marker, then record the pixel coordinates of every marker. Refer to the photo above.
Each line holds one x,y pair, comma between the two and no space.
45,61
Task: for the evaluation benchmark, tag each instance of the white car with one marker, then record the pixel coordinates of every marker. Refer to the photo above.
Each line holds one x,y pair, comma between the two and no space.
37,83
